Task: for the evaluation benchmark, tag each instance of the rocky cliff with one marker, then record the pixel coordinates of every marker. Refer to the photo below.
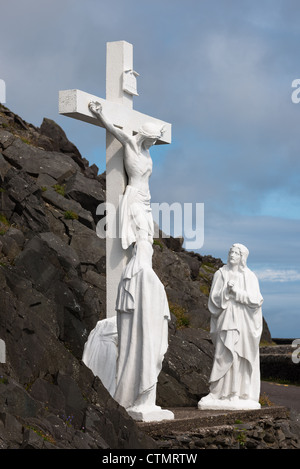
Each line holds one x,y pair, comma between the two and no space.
52,276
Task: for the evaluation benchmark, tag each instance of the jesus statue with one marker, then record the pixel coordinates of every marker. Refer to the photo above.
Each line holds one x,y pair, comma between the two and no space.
236,326
142,307
136,217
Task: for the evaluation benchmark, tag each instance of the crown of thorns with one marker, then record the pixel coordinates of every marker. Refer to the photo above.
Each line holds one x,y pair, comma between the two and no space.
152,131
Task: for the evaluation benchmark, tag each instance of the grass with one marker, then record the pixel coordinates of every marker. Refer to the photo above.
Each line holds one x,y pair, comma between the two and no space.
264,343
205,276
59,189
158,243
4,220
69,215
241,437
209,267
25,140
45,436
205,289
180,313
265,401
4,224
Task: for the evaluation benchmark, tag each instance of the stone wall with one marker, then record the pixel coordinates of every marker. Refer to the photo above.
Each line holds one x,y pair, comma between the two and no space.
276,364
275,430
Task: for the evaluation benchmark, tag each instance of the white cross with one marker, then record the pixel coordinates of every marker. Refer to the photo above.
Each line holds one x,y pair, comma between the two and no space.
118,107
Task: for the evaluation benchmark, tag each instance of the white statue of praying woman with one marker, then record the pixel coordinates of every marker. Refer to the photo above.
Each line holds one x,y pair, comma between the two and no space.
142,307
236,326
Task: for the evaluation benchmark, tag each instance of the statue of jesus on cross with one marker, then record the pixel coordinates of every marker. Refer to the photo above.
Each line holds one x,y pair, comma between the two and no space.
136,218
138,297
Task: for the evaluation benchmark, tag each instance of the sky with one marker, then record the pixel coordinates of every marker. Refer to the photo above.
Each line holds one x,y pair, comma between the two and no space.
222,73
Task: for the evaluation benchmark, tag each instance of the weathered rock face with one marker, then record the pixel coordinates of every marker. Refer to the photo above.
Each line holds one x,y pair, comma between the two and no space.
53,292
186,368
52,277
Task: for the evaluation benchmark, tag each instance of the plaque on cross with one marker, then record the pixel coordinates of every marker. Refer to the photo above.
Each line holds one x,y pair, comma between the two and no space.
118,107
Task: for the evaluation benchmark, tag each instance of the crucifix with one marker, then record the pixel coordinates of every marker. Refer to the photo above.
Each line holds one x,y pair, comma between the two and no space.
118,106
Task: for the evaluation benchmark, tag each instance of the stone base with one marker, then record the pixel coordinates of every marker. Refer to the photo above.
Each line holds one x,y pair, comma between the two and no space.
149,413
209,403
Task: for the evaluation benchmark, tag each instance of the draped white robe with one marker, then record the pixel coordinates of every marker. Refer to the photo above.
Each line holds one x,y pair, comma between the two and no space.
236,327
142,322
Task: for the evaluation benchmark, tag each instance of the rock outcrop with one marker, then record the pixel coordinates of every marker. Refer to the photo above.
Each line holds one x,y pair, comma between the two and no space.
52,276
53,292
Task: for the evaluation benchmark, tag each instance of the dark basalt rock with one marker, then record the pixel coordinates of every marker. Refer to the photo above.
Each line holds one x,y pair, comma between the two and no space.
89,196
58,138
52,294
186,368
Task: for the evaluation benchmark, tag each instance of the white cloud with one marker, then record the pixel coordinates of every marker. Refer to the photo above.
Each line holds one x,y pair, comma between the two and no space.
279,275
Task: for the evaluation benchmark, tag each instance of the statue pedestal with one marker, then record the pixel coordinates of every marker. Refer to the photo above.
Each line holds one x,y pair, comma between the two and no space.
149,413
208,403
